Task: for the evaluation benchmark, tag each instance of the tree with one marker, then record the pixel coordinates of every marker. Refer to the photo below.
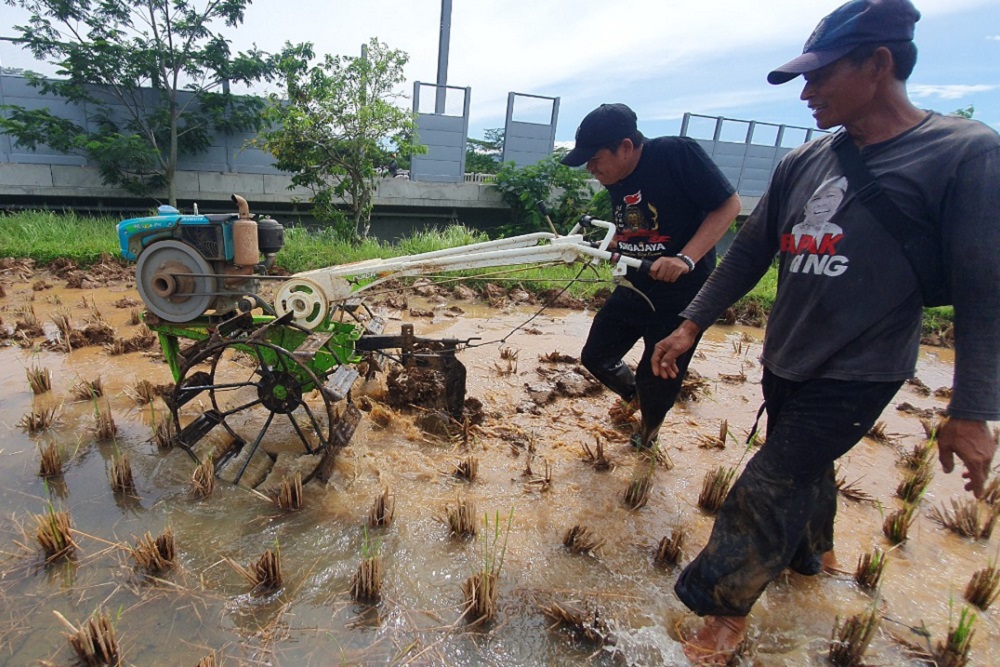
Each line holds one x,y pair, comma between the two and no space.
483,156
153,75
331,127
563,189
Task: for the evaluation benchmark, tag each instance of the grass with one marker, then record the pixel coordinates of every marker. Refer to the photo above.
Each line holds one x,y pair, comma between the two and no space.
42,236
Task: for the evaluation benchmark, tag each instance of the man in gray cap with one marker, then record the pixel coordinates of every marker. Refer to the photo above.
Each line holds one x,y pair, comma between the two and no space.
671,205
896,211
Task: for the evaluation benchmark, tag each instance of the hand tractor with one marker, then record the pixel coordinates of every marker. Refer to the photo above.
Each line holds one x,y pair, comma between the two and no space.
263,388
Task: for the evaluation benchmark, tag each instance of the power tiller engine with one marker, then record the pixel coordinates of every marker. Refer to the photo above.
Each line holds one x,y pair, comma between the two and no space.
190,265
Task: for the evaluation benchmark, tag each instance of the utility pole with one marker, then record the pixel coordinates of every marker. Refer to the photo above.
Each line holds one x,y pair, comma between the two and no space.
443,45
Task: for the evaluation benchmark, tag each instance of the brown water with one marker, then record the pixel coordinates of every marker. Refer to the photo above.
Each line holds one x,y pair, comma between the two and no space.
204,605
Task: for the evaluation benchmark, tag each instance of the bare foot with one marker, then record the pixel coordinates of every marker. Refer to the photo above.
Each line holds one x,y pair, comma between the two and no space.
716,640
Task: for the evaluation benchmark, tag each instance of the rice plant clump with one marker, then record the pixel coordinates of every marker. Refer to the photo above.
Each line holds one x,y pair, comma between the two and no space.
715,488
967,518
265,574
919,457
94,642
870,568
164,430
481,589
984,587
897,525
991,494
586,623
637,493
121,474
580,540
912,488
203,479
54,534
104,424
38,420
596,457
289,493
143,392
50,461
850,640
668,552
40,379
954,650
366,586
87,390
155,556
851,490
382,510
467,469
462,518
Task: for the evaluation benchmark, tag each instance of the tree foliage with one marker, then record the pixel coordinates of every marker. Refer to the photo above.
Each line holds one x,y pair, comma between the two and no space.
483,156
153,76
565,192
331,126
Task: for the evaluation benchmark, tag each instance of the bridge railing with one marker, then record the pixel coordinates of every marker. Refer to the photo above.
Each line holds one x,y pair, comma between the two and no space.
746,151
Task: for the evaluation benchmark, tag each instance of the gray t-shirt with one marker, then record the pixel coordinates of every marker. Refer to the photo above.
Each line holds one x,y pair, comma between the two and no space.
848,304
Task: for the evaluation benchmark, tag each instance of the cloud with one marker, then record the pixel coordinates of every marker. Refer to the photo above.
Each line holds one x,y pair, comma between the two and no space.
995,38
952,91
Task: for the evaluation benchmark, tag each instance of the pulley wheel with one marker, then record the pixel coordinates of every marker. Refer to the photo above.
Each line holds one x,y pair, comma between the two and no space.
305,300
174,282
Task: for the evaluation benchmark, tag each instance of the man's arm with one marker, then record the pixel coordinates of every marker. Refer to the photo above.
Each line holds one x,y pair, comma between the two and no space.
712,228
970,220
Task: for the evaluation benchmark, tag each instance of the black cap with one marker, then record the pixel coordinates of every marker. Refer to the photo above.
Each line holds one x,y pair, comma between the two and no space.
604,126
849,26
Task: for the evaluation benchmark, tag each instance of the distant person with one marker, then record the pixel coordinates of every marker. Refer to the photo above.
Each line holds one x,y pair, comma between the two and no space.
844,331
393,166
671,205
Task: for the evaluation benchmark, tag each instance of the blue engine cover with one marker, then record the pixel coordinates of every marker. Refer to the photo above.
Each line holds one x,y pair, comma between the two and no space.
211,235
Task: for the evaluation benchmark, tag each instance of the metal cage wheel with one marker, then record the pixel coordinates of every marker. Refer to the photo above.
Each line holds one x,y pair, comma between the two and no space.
260,393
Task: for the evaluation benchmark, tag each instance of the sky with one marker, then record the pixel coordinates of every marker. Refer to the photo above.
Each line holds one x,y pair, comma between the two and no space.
661,57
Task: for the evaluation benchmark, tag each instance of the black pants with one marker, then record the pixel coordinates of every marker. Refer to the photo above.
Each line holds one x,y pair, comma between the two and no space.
624,319
781,510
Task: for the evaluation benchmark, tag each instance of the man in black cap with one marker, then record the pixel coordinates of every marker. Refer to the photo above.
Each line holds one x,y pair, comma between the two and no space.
671,205
896,211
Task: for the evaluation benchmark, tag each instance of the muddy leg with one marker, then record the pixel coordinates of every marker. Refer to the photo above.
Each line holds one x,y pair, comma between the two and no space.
656,395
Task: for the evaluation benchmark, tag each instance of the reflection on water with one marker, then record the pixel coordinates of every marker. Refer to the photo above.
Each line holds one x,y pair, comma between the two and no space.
204,605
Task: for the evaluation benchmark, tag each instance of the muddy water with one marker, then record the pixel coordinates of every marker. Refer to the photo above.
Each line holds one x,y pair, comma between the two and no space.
204,606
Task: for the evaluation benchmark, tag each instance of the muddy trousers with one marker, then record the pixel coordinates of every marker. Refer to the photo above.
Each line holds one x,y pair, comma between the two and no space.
624,319
781,510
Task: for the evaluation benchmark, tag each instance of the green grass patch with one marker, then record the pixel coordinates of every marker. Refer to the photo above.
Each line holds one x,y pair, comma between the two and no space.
46,235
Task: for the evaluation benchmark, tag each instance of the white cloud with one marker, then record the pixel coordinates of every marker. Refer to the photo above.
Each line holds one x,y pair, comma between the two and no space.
950,92
995,38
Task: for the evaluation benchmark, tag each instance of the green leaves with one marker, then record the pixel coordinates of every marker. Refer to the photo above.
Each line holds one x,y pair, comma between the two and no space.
563,189
109,52
333,127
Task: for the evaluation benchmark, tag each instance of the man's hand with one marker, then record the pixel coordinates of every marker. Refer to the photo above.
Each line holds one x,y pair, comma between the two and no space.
668,269
973,442
665,352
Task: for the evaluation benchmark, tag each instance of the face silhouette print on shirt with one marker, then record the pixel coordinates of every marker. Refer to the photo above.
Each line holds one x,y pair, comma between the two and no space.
813,242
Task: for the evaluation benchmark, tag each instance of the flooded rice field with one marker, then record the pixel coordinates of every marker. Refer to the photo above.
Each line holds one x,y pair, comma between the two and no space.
552,495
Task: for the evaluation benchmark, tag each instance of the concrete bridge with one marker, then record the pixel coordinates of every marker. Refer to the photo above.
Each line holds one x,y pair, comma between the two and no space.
401,205
746,152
